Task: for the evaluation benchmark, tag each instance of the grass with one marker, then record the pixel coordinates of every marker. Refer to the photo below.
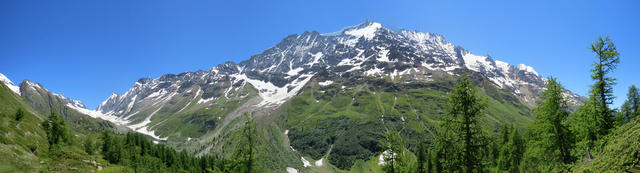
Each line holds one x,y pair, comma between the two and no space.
23,144
350,115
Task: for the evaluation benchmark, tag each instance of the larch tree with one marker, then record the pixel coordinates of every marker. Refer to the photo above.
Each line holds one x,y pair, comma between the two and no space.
629,108
595,118
550,141
461,140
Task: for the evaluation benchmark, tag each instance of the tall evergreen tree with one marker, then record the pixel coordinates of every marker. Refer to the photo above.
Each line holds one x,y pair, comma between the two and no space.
550,140
594,119
461,141
630,107
394,154
602,91
245,153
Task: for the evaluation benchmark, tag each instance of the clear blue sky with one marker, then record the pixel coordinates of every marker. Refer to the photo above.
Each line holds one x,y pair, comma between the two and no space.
89,49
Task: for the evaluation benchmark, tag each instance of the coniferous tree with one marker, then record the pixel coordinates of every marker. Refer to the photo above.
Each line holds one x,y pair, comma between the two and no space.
395,154
511,150
630,107
19,114
461,142
550,140
594,119
245,153
602,91
88,145
56,130
423,158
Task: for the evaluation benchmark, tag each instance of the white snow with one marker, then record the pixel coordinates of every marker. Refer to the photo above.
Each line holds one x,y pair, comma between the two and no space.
316,58
429,42
133,101
383,55
325,83
319,162
96,114
205,100
305,162
291,170
273,95
144,129
373,71
503,66
295,71
448,69
157,93
384,154
9,84
527,69
475,62
367,32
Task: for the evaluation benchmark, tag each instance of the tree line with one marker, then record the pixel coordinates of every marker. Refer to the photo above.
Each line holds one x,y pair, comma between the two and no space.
135,151
554,142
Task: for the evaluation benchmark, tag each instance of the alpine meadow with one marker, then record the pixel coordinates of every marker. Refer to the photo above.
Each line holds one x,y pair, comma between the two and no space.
369,97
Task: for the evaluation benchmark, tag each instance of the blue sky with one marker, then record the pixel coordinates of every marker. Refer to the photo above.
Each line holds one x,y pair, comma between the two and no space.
88,50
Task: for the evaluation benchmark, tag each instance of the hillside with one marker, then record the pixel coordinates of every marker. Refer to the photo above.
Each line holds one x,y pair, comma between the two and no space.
24,142
620,151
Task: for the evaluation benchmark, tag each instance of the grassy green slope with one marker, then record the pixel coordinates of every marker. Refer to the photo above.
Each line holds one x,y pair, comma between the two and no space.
344,124
20,141
23,144
621,151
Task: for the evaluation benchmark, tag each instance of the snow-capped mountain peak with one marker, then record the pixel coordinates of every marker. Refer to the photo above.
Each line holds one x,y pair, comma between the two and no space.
280,72
367,30
9,84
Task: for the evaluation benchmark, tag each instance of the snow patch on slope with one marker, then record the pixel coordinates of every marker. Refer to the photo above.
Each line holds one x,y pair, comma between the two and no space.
9,84
316,58
475,62
142,127
291,170
528,69
273,95
96,114
305,162
130,105
325,83
367,32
